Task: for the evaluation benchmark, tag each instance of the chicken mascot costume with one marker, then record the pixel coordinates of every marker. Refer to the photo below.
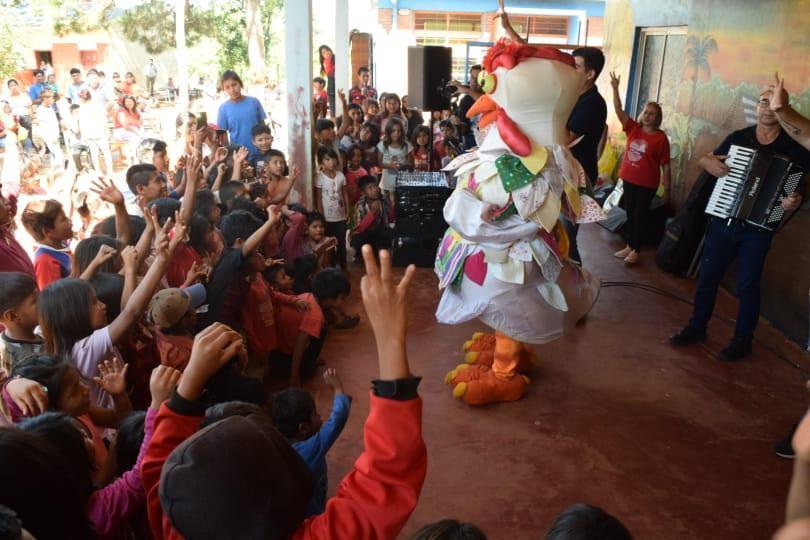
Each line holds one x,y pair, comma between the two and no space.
504,258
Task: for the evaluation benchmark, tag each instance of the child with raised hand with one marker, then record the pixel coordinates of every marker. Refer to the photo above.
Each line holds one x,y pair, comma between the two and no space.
67,393
74,321
268,485
297,418
228,288
18,313
332,200
394,151
108,507
46,222
306,235
277,177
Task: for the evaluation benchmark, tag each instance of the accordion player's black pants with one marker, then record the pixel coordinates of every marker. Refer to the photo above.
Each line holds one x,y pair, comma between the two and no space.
636,200
724,243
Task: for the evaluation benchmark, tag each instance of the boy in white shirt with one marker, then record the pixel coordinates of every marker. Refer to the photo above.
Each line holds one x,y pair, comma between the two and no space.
332,199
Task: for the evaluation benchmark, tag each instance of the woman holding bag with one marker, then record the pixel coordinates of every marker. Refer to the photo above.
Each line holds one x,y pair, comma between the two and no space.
645,164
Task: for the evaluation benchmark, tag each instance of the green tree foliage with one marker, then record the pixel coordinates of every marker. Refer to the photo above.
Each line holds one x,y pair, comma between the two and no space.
151,23
11,58
230,17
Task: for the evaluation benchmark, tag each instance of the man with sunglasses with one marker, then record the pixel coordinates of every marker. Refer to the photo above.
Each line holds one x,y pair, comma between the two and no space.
729,240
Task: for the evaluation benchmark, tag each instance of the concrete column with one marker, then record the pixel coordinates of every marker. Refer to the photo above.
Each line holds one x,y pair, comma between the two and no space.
343,75
298,56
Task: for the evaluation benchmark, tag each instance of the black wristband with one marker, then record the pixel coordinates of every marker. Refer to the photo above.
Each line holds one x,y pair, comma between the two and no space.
185,407
398,389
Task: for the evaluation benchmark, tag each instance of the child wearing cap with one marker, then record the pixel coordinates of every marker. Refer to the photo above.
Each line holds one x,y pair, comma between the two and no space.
174,314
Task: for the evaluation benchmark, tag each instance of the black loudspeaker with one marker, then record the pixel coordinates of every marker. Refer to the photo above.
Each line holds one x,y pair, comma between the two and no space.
656,221
429,71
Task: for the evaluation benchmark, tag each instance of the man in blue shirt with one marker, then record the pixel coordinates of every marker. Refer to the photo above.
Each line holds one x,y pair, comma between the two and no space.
36,89
240,113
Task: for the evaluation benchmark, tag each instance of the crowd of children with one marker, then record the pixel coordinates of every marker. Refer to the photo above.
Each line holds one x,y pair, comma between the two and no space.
134,360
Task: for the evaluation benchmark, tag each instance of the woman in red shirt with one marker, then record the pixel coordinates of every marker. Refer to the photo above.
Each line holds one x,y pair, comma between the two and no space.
128,125
644,166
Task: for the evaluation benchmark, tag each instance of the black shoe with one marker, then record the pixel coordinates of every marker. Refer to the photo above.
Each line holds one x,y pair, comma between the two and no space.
736,350
784,448
688,335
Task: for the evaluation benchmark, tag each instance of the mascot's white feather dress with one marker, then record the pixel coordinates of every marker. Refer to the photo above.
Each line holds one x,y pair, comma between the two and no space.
504,259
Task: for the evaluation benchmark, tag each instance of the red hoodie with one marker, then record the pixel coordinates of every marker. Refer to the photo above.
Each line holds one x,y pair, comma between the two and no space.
375,500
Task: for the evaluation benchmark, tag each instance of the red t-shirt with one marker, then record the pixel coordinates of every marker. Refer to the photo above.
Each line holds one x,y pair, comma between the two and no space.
183,259
353,176
644,155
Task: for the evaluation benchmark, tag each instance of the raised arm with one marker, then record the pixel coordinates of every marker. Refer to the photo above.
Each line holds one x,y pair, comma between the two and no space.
344,124
617,101
796,125
395,460
255,239
192,175
134,309
109,193
281,195
507,26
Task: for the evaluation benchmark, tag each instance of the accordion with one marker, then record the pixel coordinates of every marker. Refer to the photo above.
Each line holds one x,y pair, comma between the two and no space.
753,189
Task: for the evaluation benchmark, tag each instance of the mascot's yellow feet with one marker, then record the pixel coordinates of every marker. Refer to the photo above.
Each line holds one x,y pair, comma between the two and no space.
451,375
479,385
480,342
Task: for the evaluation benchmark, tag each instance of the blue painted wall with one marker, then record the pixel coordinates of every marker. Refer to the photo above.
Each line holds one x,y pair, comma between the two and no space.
592,8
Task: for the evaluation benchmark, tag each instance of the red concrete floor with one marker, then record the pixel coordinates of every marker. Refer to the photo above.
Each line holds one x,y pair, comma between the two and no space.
674,442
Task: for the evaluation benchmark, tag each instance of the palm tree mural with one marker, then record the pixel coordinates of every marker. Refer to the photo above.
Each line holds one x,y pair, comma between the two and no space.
697,61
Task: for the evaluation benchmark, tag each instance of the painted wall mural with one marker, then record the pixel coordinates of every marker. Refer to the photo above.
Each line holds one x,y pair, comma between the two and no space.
732,50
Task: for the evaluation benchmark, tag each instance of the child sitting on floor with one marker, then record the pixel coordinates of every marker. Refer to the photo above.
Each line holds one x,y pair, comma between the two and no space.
267,484
297,418
299,328
18,313
46,222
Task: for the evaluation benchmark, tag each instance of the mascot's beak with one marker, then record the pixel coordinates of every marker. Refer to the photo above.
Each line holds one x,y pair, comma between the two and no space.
487,108
490,112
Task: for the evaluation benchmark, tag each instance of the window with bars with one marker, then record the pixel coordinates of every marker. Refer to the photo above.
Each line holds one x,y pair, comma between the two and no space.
540,27
440,21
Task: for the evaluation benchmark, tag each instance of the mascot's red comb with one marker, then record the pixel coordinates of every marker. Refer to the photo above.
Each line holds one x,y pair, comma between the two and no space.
508,54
